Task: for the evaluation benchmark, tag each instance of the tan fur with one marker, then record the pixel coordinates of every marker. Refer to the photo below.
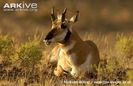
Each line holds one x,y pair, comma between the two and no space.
81,50
53,57
73,55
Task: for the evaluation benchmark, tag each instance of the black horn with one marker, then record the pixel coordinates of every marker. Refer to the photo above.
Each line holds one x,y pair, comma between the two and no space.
53,17
63,14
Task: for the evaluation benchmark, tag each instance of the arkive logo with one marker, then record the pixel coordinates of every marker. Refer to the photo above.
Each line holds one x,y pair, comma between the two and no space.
21,6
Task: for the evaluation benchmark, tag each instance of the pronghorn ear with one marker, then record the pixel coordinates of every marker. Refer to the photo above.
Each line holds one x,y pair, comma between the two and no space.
75,17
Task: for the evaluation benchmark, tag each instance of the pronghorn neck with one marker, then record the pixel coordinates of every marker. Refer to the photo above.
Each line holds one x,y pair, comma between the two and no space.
70,39
67,36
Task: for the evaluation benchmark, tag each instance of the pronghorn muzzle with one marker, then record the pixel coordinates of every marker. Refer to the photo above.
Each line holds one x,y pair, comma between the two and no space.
47,42
49,36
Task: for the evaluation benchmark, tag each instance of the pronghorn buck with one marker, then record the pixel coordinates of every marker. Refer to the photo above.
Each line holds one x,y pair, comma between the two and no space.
73,55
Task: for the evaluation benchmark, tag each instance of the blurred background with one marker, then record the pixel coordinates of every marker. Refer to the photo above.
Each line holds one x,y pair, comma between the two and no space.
102,16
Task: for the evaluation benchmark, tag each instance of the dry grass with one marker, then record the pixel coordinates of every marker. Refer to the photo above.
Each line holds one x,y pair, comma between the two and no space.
23,44
116,53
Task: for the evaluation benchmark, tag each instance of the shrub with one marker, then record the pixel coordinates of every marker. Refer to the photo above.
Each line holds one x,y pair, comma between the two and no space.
7,49
125,46
30,54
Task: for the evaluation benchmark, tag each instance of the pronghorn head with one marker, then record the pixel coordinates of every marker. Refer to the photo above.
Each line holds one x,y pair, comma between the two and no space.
61,27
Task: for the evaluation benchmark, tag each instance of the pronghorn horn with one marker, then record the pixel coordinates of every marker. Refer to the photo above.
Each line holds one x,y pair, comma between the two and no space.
63,14
53,14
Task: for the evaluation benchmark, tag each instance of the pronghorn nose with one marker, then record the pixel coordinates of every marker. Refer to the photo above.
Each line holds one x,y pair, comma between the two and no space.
47,42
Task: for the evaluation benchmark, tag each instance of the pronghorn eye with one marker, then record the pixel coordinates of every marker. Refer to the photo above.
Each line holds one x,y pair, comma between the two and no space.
63,26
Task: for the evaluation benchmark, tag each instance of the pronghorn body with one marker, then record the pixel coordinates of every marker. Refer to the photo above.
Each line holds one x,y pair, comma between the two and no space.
74,55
